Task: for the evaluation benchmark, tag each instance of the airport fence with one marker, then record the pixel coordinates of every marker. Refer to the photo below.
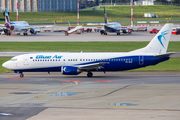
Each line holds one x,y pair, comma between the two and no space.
142,3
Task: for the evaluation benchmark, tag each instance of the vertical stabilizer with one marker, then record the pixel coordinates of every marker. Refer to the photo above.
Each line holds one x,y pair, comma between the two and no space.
6,16
105,16
159,43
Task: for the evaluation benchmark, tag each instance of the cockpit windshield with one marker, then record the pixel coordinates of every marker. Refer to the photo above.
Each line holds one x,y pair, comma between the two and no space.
13,59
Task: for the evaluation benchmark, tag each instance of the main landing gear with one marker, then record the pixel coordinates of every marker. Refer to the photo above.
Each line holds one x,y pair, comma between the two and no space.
118,33
21,75
89,74
25,34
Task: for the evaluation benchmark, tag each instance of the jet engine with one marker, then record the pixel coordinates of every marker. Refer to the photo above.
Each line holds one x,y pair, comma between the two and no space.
6,31
124,30
32,31
7,25
69,70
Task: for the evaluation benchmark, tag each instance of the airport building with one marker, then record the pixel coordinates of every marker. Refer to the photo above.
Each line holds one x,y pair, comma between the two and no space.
39,5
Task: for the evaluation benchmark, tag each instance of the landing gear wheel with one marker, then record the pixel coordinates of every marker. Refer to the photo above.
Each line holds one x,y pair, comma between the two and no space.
21,75
25,34
89,74
9,33
118,33
66,33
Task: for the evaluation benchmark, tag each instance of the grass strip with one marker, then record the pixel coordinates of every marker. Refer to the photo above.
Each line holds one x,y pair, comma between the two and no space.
78,46
114,13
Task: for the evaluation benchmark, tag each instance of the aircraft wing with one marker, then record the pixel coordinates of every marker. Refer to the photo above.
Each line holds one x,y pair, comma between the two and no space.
23,29
37,27
92,66
2,25
74,29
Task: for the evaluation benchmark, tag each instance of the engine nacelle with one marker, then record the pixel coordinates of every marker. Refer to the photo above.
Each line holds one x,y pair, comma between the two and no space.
7,25
69,70
5,31
124,31
32,31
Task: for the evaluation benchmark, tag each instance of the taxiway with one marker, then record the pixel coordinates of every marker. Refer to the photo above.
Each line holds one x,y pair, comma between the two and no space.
115,95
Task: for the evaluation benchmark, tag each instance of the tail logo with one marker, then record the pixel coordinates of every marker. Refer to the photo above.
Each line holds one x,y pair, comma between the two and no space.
162,36
105,17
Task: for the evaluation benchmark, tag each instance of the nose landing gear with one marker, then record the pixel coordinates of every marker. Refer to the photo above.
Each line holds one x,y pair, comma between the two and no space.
21,75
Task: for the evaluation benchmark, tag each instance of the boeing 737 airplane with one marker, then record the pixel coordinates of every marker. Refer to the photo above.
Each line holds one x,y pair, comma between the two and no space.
112,27
75,63
20,26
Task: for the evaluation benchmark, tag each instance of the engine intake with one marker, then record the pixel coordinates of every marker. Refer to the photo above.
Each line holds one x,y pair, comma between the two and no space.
69,70
32,31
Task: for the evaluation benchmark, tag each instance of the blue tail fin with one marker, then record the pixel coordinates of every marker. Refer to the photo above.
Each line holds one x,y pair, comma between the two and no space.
105,16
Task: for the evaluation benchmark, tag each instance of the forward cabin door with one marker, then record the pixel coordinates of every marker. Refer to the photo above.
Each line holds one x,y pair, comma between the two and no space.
141,60
26,60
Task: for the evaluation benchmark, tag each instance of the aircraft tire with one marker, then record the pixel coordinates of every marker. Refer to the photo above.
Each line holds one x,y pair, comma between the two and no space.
89,74
21,75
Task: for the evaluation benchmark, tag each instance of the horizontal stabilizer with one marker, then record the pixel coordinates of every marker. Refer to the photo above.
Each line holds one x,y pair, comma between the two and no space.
166,55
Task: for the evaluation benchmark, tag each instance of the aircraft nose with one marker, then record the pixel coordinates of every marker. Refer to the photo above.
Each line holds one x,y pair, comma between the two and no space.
6,65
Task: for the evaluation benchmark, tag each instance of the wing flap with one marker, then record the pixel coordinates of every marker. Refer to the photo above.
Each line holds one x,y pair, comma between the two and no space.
92,66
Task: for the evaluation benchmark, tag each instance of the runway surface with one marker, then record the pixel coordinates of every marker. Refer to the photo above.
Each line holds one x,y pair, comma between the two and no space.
114,95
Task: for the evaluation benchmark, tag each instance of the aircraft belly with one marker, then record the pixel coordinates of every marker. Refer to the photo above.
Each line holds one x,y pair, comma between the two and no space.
108,29
45,69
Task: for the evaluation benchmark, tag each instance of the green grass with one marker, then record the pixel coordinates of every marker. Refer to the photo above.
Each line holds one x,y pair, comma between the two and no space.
115,13
2,69
171,65
79,46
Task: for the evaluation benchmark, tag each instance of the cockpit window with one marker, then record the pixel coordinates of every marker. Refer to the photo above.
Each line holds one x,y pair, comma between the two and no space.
13,59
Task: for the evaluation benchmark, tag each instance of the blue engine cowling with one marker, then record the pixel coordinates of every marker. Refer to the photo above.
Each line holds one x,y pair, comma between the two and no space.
32,31
69,70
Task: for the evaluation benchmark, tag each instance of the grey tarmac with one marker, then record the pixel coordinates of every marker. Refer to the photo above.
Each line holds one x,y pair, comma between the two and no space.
84,37
114,95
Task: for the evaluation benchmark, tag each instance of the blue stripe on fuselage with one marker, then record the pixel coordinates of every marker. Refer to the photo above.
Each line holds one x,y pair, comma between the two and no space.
124,63
109,29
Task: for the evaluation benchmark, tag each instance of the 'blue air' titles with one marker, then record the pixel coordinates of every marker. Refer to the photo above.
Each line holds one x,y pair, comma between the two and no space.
48,57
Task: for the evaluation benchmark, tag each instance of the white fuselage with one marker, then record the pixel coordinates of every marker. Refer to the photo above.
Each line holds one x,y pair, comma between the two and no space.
20,26
116,61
